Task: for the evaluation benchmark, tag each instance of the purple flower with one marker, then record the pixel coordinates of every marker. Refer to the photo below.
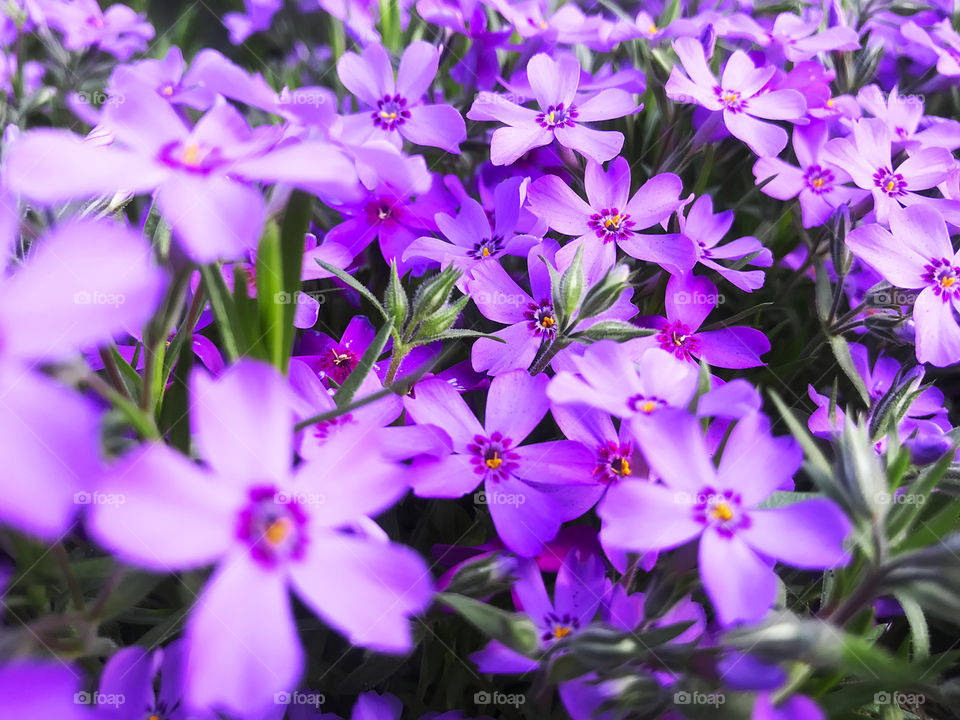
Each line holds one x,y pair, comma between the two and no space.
83,284
904,115
704,230
193,170
611,218
689,300
801,41
394,107
257,17
917,254
36,689
821,188
737,96
530,318
119,30
471,238
269,528
865,155
942,39
578,594
529,489
168,77
718,505
561,115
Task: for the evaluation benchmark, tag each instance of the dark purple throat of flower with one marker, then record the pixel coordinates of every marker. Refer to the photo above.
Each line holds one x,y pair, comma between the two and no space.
610,224
556,627
489,247
721,510
944,278
391,112
889,182
541,320
557,116
613,462
492,457
272,526
191,156
730,99
819,180
676,338
337,363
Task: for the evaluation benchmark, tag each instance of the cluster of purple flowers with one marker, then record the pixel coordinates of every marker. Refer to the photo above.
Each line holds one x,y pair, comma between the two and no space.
498,288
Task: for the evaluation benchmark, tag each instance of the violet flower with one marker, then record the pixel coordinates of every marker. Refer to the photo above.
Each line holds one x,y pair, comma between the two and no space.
821,189
801,40
916,254
561,115
718,505
530,489
269,528
866,154
395,109
118,30
737,96
689,300
611,218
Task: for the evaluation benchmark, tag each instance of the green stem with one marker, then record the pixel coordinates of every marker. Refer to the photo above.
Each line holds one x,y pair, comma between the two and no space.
60,553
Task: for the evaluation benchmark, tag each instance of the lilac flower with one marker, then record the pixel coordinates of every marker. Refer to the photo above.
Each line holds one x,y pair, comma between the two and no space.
85,283
865,155
611,219
737,95
718,505
561,115
904,115
821,189
689,300
169,77
119,30
367,426
479,66
801,41
257,17
917,254
471,239
942,39
704,230
530,318
529,489
578,594
395,108
268,527
192,169
336,359
41,689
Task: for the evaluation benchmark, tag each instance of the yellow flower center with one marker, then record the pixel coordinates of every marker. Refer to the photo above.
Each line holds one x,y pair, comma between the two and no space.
278,530
818,182
948,281
191,155
494,462
652,29
561,631
722,511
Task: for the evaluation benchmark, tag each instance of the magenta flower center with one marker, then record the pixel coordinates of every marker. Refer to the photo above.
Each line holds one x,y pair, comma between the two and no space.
819,180
613,462
556,627
677,339
611,224
380,211
489,247
322,430
943,277
889,182
730,99
542,321
337,363
391,112
721,510
645,404
272,526
492,457
557,116
191,156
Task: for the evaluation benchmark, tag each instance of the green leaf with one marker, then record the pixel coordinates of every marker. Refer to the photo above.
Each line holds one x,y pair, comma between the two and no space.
350,386
223,310
515,631
841,351
352,282
296,223
919,631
